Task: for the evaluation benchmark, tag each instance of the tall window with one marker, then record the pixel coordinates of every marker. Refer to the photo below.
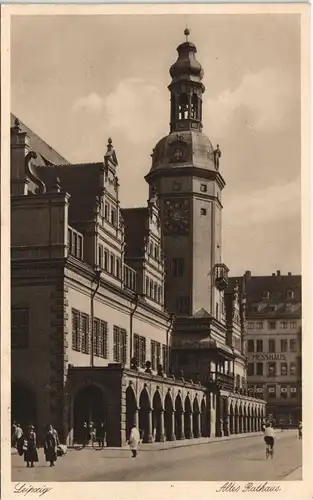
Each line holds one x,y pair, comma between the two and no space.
271,369
155,354
182,305
103,340
259,345
119,345
140,349
271,391
100,338
75,243
271,345
272,325
284,325
293,391
118,268
164,356
100,256
259,325
293,345
283,391
75,330
250,345
283,369
106,257
293,369
178,266
250,325
293,325
113,217
112,263
85,333
284,345
259,369
250,369
19,327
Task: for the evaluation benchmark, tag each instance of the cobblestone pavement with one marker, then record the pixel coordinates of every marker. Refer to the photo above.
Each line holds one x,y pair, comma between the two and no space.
232,459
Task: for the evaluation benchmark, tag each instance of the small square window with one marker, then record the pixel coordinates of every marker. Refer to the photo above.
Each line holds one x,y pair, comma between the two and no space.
203,188
176,186
203,211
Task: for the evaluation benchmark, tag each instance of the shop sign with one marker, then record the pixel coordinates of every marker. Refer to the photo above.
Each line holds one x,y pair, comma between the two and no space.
269,357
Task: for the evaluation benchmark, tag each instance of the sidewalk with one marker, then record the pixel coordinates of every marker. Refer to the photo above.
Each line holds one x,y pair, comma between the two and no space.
175,444
295,475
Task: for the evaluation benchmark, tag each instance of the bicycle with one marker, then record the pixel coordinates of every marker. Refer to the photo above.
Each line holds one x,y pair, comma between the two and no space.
96,443
269,452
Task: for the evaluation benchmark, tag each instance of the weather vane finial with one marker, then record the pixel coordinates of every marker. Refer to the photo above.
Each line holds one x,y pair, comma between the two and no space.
187,33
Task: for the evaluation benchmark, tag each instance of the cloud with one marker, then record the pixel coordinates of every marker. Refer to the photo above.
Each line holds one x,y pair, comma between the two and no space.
135,109
92,103
261,101
272,204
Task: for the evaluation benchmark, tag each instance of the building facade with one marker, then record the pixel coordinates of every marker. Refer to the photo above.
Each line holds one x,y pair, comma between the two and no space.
274,343
103,300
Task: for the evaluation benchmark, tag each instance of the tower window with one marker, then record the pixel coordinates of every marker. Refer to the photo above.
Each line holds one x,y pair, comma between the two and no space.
203,211
194,107
176,186
178,267
183,107
203,188
182,305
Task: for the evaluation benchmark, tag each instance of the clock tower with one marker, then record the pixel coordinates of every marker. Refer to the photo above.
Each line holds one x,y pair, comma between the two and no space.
185,175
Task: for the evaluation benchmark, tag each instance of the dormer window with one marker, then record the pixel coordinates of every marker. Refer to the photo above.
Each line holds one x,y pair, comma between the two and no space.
266,295
290,294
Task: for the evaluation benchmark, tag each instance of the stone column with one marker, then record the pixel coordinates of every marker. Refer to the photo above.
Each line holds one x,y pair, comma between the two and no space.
173,437
162,436
136,418
189,418
198,416
237,424
150,436
182,425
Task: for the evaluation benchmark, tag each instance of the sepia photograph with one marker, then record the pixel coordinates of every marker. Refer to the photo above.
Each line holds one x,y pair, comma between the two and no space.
156,249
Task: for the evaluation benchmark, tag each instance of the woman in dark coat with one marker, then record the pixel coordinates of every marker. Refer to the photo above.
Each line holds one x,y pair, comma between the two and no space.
30,447
51,446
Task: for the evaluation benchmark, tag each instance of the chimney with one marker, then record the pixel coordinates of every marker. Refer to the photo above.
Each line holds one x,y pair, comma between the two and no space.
247,275
278,273
289,274
273,274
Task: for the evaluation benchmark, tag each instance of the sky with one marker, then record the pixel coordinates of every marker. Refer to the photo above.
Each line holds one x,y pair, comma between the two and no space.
78,80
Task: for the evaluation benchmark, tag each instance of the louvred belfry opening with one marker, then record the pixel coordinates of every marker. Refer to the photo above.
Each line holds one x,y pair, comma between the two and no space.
186,89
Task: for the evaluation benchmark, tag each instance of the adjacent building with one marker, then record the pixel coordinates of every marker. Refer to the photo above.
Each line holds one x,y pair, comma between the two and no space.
124,315
273,336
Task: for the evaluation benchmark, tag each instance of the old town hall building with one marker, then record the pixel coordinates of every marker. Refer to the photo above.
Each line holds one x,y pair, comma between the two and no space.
124,315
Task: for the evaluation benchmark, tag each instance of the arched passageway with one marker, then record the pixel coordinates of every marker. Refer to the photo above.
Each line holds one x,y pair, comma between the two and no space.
237,419
196,419
204,419
188,418
169,418
157,418
23,405
231,419
179,418
145,417
225,416
89,408
131,410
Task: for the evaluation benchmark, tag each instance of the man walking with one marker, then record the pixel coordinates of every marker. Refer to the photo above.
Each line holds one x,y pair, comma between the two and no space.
134,440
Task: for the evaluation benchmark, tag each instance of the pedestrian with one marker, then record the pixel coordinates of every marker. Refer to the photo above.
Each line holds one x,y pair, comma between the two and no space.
134,440
85,434
13,435
18,434
51,445
101,435
30,447
300,430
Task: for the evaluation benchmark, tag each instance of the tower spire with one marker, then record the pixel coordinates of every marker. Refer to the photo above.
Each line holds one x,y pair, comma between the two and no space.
186,88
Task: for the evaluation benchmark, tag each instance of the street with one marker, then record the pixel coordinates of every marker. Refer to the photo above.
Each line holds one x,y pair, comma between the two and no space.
238,459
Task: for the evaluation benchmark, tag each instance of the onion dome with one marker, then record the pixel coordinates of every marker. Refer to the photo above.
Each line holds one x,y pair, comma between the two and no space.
186,66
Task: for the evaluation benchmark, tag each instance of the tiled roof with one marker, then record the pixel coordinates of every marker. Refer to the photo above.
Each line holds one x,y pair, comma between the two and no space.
41,147
278,304
135,220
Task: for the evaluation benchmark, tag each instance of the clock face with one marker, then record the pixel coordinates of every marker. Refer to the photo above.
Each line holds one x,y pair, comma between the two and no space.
176,216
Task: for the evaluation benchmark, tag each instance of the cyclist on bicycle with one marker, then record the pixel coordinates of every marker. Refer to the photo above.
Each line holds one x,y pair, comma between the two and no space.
269,435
